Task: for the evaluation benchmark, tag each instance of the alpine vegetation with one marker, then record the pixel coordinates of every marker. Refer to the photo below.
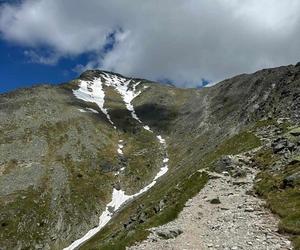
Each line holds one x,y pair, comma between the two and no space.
110,162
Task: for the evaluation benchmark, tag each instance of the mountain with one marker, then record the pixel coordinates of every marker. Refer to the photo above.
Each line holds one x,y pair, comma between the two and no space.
130,151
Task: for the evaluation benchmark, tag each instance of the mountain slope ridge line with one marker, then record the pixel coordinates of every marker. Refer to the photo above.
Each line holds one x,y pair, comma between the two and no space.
86,92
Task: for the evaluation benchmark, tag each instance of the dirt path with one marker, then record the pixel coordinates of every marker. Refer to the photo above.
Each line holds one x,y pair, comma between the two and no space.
240,221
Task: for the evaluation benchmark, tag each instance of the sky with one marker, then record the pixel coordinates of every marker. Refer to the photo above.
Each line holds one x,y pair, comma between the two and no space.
189,43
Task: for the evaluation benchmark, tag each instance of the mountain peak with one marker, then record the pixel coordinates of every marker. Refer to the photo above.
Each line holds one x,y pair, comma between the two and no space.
124,154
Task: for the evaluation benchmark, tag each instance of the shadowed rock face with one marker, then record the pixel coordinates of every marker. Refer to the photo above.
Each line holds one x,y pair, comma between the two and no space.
58,164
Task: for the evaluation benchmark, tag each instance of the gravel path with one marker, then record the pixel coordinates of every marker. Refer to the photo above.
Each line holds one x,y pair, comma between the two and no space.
240,221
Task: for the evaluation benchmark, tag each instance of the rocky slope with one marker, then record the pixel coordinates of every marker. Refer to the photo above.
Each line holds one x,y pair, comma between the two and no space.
228,213
66,150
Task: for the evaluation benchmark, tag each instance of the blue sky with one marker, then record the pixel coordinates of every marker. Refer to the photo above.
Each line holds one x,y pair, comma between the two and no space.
182,42
17,70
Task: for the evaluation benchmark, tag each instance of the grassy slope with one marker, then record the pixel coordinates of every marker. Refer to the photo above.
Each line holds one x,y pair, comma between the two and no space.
284,201
84,146
174,193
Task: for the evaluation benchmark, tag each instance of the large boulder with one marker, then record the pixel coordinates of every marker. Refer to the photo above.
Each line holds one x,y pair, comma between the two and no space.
292,180
225,164
282,144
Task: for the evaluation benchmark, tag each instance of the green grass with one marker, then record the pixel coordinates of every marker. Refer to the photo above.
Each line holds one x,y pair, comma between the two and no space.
284,201
265,158
28,211
284,126
237,144
264,123
175,191
175,199
296,242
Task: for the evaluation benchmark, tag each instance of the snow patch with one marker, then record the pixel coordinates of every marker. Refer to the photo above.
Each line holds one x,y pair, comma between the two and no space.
161,140
88,110
118,198
127,92
92,91
120,149
93,110
147,128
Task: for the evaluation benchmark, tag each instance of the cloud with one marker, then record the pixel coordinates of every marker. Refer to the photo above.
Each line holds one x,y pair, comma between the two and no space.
182,41
48,58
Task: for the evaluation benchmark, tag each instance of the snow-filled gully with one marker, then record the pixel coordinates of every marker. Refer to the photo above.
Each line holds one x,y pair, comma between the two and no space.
93,92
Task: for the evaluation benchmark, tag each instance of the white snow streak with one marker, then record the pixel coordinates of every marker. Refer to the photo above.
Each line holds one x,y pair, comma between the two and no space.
93,110
95,93
161,140
147,128
120,149
127,93
88,110
92,92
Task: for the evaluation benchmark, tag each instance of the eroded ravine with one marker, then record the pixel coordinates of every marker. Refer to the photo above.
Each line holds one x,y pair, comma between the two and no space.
92,91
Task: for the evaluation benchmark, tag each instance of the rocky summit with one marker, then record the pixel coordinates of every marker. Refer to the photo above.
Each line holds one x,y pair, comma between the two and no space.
110,162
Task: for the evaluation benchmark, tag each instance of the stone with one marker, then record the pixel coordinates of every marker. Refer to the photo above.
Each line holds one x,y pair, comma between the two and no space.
169,233
291,146
278,147
292,180
238,172
215,201
157,208
142,217
117,186
110,209
225,173
294,161
224,208
239,183
225,164
249,209
38,246
295,132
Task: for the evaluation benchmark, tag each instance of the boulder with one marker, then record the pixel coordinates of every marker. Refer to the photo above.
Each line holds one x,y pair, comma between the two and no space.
292,180
225,164
168,233
157,208
238,172
295,132
277,147
282,145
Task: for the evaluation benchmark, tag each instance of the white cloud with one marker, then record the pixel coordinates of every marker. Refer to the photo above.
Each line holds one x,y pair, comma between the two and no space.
183,41
49,59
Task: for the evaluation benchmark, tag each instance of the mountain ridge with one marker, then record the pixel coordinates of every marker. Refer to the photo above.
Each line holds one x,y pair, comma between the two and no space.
62,152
